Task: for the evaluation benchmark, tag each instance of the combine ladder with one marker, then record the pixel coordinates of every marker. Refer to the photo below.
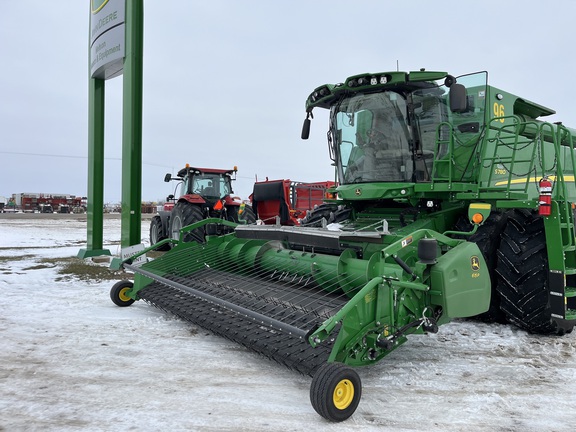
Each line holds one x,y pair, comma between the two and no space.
508,144
560,228
562,261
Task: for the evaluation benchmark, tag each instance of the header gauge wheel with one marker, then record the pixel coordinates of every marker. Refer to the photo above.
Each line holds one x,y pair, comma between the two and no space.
335,391
119,291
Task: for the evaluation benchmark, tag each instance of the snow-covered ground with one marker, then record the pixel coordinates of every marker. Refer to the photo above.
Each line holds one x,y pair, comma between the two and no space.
70,360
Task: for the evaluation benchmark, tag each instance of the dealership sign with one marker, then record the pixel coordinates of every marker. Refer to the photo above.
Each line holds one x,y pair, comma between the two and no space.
107,38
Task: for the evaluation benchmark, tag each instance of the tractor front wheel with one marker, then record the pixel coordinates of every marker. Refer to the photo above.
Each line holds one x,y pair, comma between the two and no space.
118,293
335,391
157,233
247,215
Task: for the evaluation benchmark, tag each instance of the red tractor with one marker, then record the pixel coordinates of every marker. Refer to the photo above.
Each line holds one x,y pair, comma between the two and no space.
202,193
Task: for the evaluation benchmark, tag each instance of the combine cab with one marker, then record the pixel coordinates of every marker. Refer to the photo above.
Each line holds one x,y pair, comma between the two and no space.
453,200
202,193
284,202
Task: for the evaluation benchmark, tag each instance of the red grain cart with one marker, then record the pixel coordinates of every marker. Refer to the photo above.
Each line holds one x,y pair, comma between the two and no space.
286,202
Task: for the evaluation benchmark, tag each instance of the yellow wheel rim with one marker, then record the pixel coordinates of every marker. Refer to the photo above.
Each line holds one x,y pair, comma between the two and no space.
122,295
343,394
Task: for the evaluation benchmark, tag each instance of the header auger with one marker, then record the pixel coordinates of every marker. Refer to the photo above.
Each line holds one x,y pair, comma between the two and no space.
435,217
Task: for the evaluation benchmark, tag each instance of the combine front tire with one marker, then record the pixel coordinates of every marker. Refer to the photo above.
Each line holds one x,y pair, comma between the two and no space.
330,212
118,293
523,273
488,238
335,391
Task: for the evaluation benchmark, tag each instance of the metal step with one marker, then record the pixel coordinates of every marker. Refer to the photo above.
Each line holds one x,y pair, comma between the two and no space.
570,315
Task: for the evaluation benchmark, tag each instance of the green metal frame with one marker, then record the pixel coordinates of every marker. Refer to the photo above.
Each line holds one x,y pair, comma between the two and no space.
131,143
132,126
95,214
386,302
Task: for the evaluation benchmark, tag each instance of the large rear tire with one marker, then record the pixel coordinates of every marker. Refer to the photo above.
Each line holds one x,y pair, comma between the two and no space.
332,213
184,214
487,238
335,391
523,273
158,233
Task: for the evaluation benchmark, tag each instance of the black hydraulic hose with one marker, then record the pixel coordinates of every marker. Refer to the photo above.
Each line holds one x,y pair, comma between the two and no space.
405,266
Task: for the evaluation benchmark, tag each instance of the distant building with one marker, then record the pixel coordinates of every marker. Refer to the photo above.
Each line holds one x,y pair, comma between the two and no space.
48,203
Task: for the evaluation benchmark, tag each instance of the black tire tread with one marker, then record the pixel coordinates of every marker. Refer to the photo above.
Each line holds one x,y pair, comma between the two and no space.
248,216
189,214
331,212
161,234
523,273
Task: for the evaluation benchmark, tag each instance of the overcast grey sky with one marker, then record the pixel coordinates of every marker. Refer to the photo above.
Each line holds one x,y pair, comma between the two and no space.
225,80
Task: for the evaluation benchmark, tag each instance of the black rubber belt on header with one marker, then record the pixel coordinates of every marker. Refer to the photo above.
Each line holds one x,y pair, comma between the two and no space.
263,319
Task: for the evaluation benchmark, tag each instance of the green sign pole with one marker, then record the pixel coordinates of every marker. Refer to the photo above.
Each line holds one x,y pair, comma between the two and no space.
95,216
116,47
132,126
95,170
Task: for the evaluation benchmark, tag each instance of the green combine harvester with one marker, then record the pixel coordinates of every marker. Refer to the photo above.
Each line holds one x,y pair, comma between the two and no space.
453,200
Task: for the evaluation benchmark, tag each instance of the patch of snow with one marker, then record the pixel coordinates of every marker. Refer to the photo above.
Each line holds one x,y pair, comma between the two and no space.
70,360
334,226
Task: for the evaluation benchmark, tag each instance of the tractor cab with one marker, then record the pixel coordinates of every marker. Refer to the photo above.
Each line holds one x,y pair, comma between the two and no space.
207,184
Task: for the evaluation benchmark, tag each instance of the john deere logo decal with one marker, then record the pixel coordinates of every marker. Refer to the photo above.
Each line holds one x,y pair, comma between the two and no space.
97,5
358,191
475,263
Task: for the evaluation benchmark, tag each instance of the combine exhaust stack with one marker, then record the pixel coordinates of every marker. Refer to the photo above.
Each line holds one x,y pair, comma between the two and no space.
316,301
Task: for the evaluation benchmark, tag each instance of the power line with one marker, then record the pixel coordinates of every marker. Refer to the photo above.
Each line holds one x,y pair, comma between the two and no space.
74,157
50,155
